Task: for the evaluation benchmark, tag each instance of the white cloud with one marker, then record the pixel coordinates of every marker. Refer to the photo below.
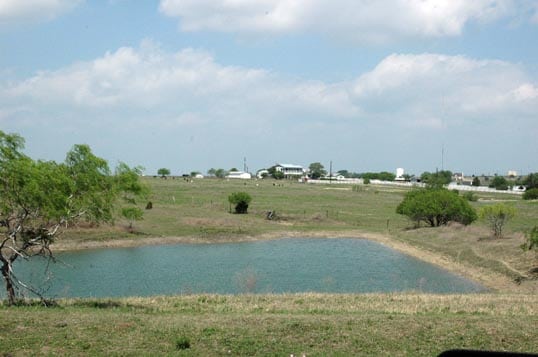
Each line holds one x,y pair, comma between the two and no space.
24,11
362,20
453,87
171,84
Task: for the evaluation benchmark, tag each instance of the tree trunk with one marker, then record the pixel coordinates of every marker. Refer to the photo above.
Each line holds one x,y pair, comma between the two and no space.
9,284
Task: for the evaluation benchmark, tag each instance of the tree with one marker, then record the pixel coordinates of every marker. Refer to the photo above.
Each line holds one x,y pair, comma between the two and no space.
476,182
531,181
211,172
436,207
241,201
163,172
38,199
316,170
437,179
499,183
131,191
531,194
220,173
496,216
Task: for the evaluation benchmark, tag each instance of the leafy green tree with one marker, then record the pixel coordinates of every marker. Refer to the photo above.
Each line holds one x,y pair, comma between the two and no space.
436,179
163,172
233,169
221,173
436,207
496,216
194,173
132,192
277,175
383,176
531,194
476,182
531,181
38,199
499,183
211,172
317,170
344,173
241,201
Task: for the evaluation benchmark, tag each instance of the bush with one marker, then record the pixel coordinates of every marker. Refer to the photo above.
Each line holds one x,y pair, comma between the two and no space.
470,196
436,207
241,201
531,194
183,343
497,216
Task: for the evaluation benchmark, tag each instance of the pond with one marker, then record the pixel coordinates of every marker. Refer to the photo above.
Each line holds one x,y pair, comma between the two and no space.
276,266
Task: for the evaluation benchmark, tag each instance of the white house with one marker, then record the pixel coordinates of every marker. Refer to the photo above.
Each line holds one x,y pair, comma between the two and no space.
239,175
290,171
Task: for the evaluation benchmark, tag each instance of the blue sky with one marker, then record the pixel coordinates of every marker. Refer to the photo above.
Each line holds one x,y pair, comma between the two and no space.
195,84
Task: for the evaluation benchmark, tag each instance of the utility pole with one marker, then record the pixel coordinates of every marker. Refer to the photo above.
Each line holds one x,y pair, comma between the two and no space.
244,164
331,172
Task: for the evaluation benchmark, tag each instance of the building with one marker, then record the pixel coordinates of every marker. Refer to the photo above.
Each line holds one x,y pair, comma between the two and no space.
239,175
290,171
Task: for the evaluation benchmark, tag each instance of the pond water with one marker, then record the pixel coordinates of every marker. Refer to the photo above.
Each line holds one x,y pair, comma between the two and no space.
276,266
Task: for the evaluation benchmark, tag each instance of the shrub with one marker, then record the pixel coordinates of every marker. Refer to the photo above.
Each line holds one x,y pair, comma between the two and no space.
531,194
241,201
366,181
470,196
497,216
183,343
436,207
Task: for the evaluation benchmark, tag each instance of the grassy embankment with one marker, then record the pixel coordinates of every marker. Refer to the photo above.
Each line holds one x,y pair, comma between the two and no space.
387,324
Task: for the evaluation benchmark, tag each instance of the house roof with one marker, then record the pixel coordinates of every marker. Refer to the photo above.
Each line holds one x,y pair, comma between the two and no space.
290,166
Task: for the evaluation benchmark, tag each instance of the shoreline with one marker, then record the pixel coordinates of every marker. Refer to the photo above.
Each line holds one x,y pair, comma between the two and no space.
490,280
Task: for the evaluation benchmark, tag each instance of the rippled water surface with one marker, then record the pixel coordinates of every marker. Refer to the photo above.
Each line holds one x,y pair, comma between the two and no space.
277,266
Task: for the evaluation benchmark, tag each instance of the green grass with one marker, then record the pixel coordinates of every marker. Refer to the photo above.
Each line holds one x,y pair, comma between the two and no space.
313,324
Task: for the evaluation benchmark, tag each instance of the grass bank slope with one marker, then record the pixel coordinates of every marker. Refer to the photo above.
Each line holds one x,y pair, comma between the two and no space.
310,324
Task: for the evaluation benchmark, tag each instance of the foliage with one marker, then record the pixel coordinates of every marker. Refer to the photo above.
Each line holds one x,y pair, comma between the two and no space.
531,181
532,239
366,181
436,207
38,199
317,170
163,172
476,182
496,216
383,176
241,201
221,173
436,179
470,196
499,183
233,169
211,172
131,191
530,194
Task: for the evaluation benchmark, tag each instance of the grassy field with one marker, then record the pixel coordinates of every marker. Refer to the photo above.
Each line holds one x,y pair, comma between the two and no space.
309,324
313,324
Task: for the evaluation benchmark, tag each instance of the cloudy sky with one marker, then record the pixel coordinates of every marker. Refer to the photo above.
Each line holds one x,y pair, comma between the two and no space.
195,84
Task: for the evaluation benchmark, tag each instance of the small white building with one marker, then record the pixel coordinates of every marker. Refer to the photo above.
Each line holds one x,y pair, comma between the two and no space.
239,175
